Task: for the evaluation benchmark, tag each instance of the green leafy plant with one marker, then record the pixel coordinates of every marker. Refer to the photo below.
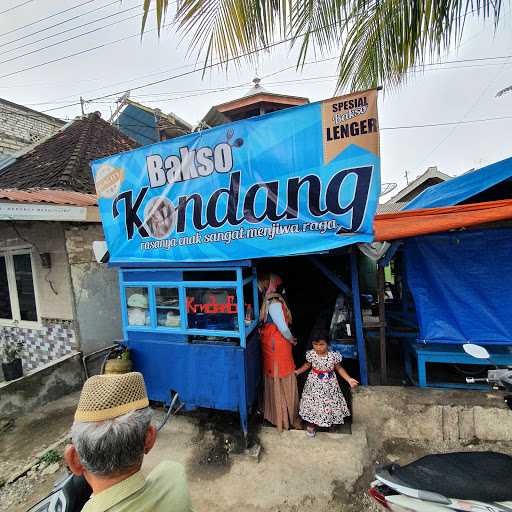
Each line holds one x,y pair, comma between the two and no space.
51,457
11,345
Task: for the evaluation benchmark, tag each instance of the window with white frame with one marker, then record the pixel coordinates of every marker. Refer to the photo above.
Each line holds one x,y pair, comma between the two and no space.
17,288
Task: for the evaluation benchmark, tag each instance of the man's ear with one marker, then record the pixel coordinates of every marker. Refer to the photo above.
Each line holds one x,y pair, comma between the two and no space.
150,440
72,460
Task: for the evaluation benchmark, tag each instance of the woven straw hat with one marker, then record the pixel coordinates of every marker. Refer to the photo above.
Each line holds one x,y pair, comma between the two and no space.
108,396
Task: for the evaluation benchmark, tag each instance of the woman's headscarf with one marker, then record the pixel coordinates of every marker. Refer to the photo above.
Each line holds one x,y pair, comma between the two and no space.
268,284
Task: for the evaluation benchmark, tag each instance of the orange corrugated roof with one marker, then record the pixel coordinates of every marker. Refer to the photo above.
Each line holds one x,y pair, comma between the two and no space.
404,224
48,196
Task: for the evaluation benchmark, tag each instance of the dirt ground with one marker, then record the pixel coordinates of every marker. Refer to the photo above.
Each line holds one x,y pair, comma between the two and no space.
294,473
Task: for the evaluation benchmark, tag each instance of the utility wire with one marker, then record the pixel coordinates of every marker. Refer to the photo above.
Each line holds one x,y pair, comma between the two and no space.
470,109
16,6
81,52
449,123
264,76
62,22
172,96
402,127
48,17
66,31
74,37
204,68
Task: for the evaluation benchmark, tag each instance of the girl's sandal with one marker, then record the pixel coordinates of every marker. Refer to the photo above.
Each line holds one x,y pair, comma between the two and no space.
310,432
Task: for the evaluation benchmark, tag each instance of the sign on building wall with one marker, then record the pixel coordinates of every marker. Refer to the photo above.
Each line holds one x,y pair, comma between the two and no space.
300,180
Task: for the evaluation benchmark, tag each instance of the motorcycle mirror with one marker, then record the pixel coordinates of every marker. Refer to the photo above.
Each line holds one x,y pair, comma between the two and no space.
476,351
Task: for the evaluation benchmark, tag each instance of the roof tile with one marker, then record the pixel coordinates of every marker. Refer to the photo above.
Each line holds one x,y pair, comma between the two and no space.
62,161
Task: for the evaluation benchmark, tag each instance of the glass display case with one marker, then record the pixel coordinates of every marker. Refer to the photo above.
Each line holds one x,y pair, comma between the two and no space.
192,330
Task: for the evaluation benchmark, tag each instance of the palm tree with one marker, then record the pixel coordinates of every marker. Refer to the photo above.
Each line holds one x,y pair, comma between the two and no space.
379,41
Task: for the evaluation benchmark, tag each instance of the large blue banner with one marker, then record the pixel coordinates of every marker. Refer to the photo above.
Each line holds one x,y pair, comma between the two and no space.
301,180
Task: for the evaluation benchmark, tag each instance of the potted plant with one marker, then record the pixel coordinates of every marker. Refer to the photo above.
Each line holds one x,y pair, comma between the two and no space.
10,352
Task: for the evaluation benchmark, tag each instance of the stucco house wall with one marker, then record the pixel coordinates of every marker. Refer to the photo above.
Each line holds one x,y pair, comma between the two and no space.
96,290
54,334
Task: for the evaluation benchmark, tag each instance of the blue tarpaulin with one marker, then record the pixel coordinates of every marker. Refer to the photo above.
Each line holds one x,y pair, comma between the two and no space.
461,188
461,286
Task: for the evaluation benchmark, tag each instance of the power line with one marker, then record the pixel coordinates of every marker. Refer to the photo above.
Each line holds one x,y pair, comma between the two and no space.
74,37
66,31
449,123
46,18
16,6
407,127
264,76
470,109
172,96
81,52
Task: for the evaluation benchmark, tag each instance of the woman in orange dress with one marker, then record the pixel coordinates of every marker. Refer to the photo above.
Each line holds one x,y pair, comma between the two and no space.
281,396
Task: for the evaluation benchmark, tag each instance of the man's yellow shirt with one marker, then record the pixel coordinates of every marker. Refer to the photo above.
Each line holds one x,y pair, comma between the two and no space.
164,490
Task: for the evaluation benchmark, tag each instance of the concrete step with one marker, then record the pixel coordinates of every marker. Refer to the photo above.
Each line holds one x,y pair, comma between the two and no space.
294,471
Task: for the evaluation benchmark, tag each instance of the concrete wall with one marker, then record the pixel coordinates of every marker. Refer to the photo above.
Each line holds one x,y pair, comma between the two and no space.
96,290
42,386
44,237
449,416
20,128
54,336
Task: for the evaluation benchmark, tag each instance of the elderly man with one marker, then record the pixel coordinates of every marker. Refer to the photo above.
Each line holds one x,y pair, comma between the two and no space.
111,434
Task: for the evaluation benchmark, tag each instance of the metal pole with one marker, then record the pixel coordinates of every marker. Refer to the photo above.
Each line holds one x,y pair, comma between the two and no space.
382,325
358,318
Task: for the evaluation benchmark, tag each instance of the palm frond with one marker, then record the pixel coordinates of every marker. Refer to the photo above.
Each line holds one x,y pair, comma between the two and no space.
386,39
161,9
504,91
379,41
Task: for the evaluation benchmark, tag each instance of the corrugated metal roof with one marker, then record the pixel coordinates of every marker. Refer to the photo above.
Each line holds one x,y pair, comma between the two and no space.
390,207
48,196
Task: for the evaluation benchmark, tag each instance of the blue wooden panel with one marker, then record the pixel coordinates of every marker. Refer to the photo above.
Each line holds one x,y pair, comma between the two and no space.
161,275
253,367
203,375
211,266
162,336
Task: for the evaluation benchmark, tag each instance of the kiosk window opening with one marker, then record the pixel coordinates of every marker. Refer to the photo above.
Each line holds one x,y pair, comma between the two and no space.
212,309
167,307
137,303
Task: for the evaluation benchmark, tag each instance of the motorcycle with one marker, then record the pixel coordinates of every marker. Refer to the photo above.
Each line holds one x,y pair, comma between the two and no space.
461,481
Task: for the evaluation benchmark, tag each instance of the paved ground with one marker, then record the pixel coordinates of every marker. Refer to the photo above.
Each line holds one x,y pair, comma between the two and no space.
294,472
330,473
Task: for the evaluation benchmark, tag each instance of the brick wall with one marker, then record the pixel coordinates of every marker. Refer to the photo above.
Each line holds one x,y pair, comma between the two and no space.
20,128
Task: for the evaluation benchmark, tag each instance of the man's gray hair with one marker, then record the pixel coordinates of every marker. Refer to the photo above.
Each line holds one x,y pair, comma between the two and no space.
112,447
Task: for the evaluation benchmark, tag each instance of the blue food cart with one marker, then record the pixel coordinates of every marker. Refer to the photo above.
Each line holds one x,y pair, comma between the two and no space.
185,220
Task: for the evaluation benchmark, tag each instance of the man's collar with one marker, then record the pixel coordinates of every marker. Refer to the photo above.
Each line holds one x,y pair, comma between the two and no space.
115,494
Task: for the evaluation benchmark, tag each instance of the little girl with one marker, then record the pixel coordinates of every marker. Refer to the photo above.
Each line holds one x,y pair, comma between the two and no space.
322,403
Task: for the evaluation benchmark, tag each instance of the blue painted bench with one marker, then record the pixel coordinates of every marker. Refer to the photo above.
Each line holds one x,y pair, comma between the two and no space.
448,353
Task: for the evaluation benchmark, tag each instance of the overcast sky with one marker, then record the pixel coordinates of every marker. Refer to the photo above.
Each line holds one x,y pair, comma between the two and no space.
451,92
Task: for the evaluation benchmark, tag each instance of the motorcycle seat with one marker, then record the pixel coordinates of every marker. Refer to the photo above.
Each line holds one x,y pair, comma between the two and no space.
478,476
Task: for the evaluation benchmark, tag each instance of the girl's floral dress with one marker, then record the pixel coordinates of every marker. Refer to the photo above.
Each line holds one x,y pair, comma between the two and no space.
322,402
